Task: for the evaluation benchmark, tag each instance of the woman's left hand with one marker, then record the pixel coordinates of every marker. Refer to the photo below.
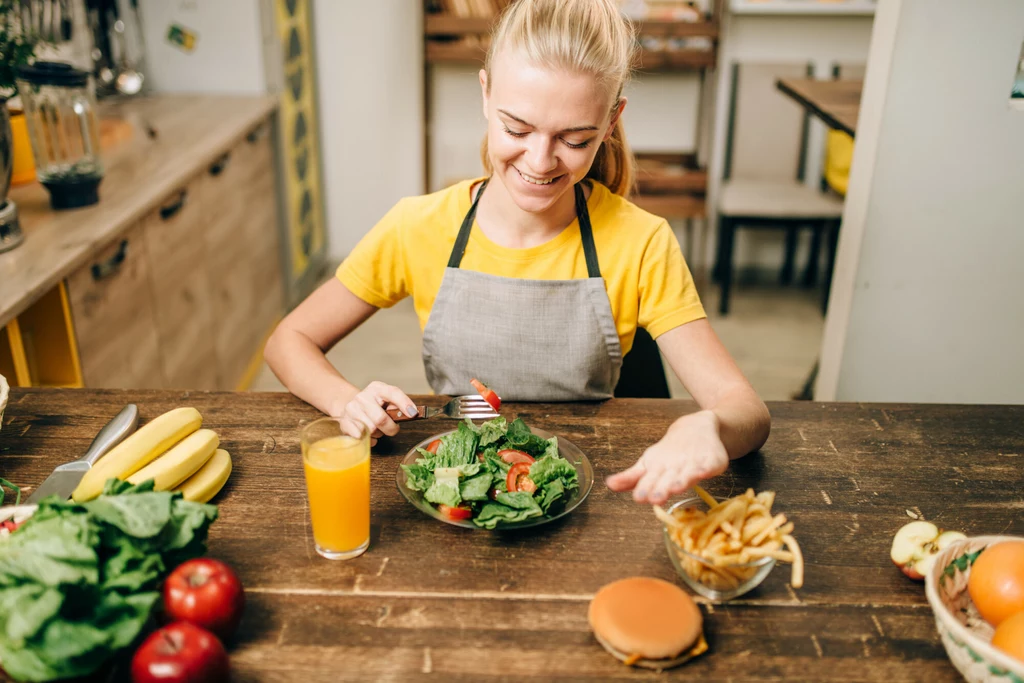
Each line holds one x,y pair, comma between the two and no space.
690,451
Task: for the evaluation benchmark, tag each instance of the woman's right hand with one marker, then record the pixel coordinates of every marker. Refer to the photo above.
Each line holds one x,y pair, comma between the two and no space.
368,408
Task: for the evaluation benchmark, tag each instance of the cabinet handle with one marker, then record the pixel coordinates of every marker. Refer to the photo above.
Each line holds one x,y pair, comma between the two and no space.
170,209
105,269
257,133
217,167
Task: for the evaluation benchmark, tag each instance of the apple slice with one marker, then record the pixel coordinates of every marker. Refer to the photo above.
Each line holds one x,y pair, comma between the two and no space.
924,565
916,544
908,545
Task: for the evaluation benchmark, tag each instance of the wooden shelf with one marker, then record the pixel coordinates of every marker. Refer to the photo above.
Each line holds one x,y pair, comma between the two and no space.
676,60
455,52
450,25
671,205
693,182
446,42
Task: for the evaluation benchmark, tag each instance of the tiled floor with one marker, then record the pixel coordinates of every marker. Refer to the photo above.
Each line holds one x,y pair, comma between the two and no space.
773,333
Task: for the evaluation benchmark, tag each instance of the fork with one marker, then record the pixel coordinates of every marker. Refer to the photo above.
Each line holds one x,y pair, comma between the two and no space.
472,406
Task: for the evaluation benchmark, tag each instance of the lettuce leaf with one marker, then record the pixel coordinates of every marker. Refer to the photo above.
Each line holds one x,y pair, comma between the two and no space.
494,514
550,494
446,492
476,488
550,468
492,431
78,582
518,433
418,477
457,448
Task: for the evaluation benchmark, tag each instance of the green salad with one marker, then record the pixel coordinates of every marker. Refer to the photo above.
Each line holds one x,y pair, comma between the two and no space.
494,473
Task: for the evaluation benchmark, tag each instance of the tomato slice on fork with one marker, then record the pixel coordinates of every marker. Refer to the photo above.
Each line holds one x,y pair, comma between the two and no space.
486,394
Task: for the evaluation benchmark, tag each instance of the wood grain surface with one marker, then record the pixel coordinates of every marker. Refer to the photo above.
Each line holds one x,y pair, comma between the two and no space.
432,601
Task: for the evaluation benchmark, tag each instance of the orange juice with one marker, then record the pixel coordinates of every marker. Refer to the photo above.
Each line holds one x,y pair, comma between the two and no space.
338,481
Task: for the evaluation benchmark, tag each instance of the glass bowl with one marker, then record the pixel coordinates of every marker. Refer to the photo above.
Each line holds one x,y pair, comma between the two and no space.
717,583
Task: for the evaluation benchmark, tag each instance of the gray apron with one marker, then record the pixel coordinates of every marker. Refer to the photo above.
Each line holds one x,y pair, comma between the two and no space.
529,340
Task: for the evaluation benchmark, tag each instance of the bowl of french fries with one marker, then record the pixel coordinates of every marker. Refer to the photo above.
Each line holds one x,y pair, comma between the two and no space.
725,547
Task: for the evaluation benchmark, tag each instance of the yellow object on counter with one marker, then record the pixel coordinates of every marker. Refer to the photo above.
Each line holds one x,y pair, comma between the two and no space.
24,168
151,441
209,480
838,157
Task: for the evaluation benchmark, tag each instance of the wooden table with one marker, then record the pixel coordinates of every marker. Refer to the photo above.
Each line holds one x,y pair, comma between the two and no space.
837,103
463,605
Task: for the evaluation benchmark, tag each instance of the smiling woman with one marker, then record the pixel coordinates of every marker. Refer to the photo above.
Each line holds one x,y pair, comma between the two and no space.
535,278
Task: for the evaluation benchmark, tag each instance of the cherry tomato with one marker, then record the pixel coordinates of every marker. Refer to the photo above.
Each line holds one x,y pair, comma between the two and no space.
207,593
433,446
486,394
519,478
457,513
512,456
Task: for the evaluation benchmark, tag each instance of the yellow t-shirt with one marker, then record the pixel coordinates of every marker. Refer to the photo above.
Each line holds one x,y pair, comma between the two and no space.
645,275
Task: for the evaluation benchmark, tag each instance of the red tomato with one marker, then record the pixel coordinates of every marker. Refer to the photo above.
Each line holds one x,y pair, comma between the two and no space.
433,446
519,478
513,456
180,653
456,513
206,593
486,394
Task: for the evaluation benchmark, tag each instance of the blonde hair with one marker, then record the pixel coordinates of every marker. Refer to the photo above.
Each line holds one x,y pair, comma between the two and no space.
583,36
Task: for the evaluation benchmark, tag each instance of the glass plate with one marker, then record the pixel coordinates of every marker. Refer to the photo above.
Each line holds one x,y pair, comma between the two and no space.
565,448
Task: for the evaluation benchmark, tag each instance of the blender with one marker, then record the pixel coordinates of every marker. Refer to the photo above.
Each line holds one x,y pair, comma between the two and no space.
60,109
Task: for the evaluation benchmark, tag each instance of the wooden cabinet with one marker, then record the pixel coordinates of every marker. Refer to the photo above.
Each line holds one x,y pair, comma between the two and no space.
186,299
174,236
240,196
113,310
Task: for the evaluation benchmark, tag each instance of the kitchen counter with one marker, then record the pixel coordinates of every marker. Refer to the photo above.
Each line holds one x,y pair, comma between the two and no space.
466,605
191,132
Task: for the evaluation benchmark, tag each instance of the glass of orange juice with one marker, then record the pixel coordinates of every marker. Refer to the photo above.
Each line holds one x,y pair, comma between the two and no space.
336,458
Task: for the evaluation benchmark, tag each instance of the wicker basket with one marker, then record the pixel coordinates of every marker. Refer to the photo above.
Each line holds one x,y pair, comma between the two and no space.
965,635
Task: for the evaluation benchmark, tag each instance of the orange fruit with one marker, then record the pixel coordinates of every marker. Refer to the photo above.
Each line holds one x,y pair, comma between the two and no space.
996,584
1009,637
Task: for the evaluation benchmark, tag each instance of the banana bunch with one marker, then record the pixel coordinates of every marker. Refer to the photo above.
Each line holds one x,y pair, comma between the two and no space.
171,450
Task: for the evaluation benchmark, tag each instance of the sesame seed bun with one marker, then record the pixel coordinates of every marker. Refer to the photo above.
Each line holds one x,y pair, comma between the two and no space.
646,622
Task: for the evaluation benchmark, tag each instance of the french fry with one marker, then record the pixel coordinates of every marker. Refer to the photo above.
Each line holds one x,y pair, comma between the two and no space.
706,497
723,546
797,579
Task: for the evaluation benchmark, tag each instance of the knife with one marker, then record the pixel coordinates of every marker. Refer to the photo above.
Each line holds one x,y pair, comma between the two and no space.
63,480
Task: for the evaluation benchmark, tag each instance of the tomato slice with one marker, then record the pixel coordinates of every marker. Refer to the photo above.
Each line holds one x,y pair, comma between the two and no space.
457,513
512,456
486,394
518,478
433,446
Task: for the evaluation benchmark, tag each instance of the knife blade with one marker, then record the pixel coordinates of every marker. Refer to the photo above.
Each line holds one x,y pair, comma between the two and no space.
64,479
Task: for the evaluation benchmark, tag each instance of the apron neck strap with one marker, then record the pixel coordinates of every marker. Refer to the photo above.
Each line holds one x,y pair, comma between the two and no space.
582,214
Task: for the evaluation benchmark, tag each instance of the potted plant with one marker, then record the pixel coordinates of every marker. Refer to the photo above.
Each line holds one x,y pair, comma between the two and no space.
17,47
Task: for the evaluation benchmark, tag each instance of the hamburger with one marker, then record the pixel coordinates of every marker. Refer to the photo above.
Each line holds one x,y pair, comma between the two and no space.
647,622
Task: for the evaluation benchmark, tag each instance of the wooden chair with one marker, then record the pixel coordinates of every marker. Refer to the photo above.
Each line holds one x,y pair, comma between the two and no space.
758,202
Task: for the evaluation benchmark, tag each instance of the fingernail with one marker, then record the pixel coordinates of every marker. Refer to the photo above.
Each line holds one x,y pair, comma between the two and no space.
411,411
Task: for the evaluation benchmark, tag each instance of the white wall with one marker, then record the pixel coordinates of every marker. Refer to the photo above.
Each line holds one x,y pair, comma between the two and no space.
926,303
370,75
